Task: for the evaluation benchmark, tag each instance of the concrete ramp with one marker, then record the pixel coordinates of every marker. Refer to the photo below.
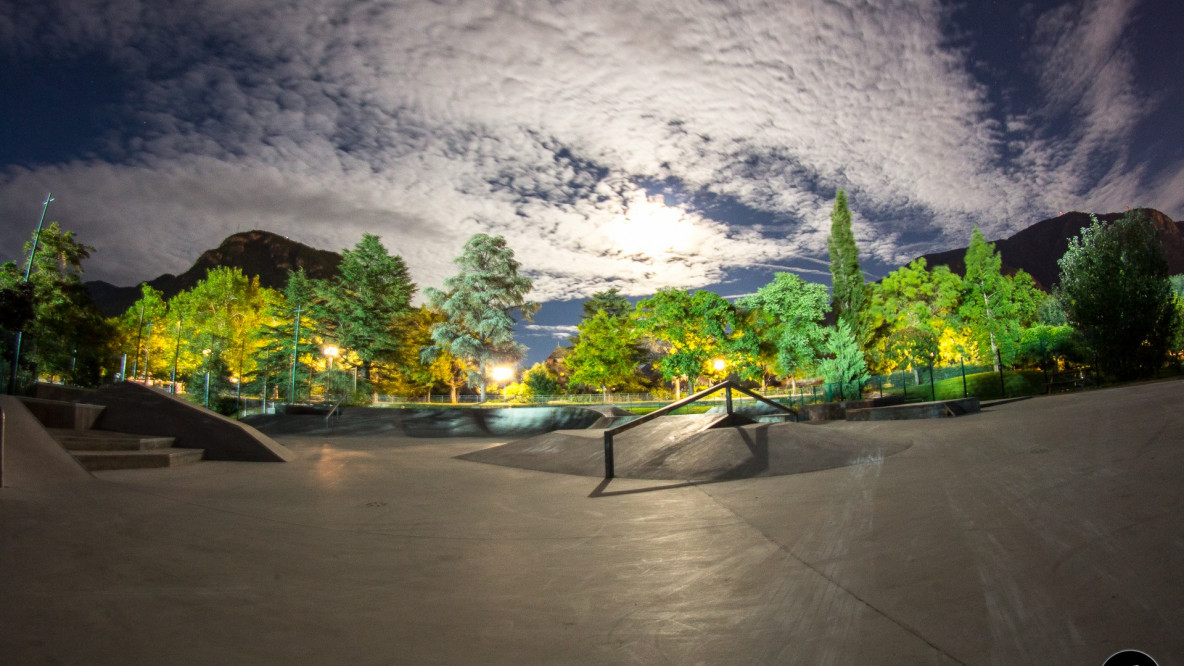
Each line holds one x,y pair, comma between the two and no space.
29,456
689,448
917,410
140,410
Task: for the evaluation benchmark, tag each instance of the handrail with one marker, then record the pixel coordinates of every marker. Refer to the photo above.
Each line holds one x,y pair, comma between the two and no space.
726,386
332,411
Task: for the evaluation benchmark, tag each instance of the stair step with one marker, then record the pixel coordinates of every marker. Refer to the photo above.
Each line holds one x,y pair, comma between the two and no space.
107,460
107,440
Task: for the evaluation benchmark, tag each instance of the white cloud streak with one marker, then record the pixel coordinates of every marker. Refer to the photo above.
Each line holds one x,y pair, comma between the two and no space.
427,122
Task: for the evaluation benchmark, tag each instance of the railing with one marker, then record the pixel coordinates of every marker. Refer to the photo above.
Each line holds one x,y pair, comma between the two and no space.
336,410
725,386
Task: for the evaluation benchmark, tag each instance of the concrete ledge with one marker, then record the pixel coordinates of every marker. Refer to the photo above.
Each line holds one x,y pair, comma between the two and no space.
61,414
141,410
64,392
919,410
837,411
29,456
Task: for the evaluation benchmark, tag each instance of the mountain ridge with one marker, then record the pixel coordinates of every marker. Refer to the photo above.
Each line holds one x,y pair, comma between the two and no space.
1036,248
263,253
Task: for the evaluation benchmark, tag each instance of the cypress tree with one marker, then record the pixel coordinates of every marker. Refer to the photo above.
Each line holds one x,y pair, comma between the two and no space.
847,279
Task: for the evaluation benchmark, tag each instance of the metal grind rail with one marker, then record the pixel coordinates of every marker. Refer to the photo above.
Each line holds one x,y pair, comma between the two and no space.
726,386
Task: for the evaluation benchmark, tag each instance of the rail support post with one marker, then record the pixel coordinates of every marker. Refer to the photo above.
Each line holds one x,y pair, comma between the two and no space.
609,470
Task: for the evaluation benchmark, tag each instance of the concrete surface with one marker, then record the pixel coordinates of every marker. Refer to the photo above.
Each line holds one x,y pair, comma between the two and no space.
692,447
142,410
1043,531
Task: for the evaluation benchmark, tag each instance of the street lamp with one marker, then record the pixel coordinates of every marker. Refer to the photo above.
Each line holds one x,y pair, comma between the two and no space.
501,374
330,352
206,353
16,352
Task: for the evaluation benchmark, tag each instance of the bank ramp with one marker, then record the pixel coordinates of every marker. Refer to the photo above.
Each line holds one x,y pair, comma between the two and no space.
694,447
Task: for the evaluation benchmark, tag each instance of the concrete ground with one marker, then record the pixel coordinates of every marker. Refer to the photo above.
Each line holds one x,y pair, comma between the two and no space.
1043,531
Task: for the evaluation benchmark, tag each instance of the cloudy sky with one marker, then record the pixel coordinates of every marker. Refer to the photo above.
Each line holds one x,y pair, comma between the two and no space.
636,144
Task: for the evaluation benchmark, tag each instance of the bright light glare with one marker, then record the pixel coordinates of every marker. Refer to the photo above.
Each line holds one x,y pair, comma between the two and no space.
330,351
719,364
501,373
650,227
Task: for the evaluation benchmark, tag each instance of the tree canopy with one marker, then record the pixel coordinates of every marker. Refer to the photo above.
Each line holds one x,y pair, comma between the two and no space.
848,284
478,303
1115,289
789,312
363,307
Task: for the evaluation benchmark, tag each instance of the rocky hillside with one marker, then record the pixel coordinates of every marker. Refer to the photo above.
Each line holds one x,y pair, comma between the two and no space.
1037,248
262,253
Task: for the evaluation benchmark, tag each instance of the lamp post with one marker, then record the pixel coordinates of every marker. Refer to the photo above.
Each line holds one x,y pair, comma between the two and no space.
295,352
206,353
330,352
16,351
932,388
176,356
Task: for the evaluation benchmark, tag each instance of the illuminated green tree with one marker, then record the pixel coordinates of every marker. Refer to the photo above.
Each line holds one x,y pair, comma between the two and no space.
364,307
1115,289
848,284
996,307
789,311
605,354
478,305
843,365
66,337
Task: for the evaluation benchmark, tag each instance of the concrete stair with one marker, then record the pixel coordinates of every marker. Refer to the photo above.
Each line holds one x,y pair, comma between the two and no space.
100,450
72,425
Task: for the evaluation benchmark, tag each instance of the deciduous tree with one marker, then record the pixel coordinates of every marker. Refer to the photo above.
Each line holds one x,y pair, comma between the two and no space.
1115,289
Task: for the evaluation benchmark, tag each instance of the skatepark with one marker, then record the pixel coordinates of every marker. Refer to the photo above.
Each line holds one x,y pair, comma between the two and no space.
1046,530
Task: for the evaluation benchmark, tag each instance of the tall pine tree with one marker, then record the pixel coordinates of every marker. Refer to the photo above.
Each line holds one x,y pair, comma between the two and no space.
849,290
477,303
364,308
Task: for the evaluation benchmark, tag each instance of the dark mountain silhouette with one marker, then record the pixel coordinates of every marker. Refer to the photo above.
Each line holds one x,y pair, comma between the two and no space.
1037,248
262,253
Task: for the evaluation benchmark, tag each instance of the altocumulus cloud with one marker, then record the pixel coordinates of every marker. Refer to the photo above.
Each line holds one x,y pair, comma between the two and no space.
548,122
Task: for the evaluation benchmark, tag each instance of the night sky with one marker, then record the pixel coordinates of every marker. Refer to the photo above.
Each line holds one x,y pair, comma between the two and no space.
636,144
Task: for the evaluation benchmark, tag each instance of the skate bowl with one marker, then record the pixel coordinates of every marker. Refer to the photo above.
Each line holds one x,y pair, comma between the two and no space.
692,448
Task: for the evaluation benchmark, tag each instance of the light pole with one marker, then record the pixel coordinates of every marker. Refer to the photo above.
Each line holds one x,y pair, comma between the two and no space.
932,388
295,352
206,353
330,352
176,356
16,352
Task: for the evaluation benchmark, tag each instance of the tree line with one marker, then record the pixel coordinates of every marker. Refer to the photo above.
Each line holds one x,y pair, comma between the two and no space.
1116,309
345,337
357,334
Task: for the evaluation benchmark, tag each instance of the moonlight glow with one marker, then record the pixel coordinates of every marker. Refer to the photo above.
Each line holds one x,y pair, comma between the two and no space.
651,228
